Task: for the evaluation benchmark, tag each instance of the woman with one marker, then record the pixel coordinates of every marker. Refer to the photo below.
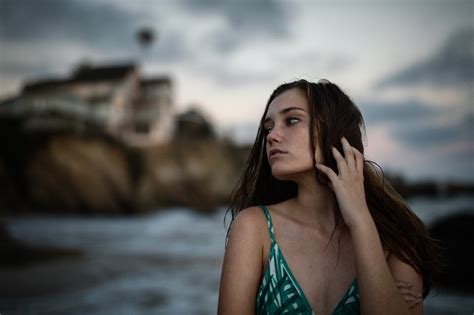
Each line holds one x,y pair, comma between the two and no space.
315,229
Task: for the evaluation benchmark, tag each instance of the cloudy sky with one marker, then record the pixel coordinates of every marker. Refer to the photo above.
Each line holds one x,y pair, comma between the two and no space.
408,65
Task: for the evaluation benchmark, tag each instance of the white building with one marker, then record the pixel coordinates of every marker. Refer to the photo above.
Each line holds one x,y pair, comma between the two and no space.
113,97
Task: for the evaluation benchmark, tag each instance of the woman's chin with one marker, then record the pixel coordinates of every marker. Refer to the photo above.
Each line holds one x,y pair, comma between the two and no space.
287,174
283,174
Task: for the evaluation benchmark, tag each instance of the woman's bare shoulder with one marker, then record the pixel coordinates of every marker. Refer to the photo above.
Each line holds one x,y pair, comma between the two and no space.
241,271
248,219
280,209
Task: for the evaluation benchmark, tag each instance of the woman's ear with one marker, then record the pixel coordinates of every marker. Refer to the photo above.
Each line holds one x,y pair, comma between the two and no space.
318,154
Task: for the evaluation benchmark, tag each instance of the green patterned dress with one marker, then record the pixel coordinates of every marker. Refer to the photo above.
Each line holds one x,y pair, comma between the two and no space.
280,293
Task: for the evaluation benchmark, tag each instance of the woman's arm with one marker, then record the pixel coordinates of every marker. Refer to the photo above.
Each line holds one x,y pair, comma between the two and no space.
241,270
409,283
377,289
377,278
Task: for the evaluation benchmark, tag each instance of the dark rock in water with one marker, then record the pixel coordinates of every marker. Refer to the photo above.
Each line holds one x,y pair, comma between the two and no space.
14,254
456,234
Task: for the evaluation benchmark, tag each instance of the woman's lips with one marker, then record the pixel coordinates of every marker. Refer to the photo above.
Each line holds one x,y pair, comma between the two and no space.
274,156
274,153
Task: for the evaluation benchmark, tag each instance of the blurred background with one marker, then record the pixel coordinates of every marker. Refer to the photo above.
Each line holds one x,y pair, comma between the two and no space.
125,125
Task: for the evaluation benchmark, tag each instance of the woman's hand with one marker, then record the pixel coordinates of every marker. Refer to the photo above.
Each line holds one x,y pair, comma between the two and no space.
348,185
378,290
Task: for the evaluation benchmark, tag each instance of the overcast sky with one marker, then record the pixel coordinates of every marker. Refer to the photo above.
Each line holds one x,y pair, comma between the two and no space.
408,65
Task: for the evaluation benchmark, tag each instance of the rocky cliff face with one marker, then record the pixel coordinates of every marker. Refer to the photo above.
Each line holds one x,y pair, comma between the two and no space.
80,174
92,173
197,174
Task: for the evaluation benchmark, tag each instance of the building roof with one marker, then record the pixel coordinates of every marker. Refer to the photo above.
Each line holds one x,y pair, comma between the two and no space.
84,73
34,86
156,81
110,72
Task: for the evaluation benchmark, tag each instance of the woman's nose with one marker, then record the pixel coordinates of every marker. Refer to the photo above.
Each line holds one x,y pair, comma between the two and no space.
273,135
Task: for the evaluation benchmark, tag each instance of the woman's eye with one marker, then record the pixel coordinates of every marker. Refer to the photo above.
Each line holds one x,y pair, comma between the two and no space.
267,129
292,120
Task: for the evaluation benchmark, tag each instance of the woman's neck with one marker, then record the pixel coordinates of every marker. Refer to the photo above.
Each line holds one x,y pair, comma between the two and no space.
316,204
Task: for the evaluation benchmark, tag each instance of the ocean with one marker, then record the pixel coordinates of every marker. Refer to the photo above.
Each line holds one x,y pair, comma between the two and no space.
166,262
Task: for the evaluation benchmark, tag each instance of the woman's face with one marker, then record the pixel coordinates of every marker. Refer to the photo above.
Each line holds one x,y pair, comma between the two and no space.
287,135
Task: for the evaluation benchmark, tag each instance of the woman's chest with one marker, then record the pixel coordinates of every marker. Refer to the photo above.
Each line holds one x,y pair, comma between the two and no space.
324,270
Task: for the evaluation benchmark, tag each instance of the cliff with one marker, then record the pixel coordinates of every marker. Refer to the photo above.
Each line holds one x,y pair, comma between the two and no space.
92,172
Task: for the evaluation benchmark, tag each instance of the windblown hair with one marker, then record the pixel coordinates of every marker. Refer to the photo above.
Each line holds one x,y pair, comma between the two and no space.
333,115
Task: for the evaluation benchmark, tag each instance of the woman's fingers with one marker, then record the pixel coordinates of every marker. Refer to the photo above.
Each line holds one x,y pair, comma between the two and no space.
359,158
341,162
352,159
328,171
351,163
348,153
347,162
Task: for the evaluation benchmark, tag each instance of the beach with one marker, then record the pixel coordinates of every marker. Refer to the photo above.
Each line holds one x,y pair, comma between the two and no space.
166,262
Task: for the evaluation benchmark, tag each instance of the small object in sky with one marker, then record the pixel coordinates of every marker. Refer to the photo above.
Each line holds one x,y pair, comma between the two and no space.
145,36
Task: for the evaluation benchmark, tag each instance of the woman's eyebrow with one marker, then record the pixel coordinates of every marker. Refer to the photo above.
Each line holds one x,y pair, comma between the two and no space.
288,109
284,111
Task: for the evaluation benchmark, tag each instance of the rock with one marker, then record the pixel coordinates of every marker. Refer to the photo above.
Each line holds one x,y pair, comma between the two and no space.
195,174
15,254
456,233
93,173
82,175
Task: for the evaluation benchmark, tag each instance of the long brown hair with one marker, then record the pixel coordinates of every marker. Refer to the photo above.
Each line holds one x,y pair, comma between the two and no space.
333,115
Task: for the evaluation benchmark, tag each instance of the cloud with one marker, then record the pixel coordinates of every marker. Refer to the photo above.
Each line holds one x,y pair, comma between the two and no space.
426,135
400,112
226,42
96,24
420,126
51,36
452,65
35,59
437,120
200,35
265,17
418,139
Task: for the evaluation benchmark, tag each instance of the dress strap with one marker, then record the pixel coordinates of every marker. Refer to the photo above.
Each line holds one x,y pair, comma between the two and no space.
269,222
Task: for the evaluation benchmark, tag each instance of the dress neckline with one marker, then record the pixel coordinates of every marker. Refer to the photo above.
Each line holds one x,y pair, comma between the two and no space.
302,294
